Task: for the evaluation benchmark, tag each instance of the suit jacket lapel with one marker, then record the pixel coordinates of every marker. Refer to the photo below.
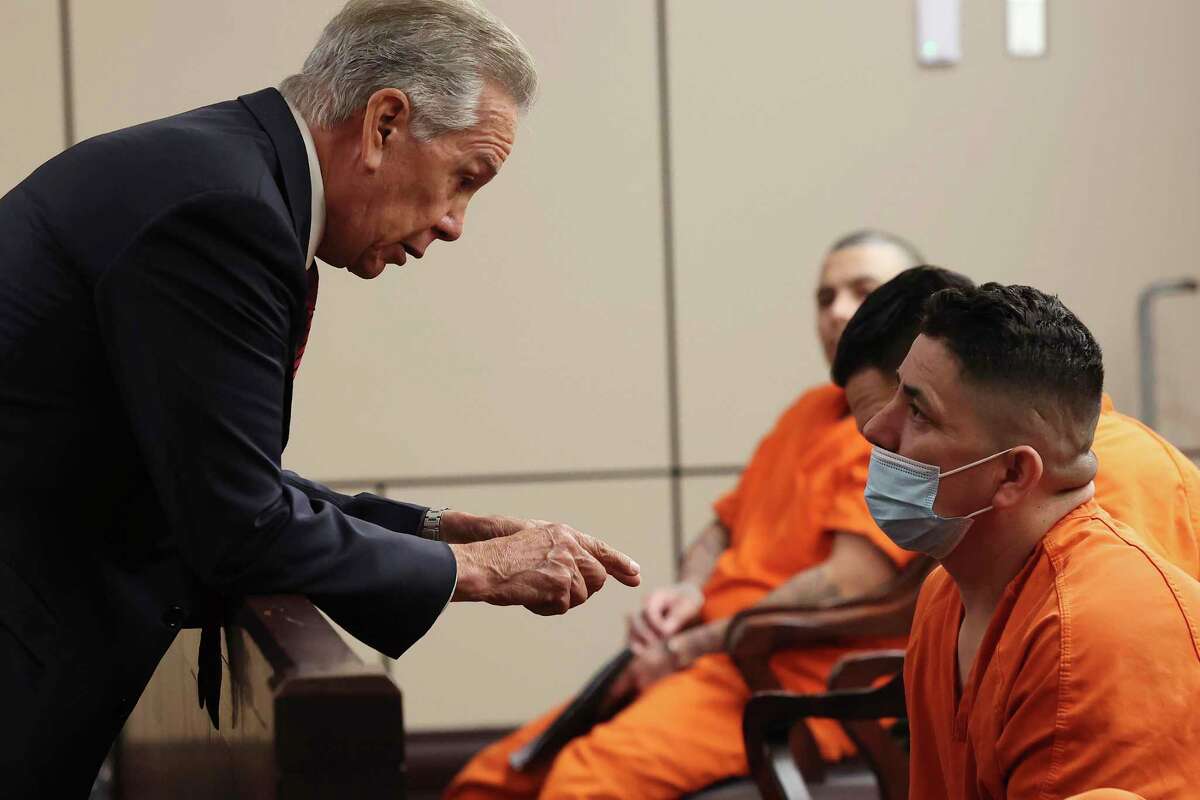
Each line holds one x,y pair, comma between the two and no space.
273,114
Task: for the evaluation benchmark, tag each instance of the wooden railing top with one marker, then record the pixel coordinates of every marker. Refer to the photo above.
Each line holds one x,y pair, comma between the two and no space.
295,639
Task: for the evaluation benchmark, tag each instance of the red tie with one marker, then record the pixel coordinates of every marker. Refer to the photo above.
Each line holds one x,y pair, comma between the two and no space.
312,306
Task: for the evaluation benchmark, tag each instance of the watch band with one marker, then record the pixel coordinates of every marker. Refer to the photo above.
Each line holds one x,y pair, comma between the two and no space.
431,526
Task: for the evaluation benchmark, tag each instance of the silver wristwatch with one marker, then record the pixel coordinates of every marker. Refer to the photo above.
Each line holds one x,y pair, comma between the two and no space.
431,526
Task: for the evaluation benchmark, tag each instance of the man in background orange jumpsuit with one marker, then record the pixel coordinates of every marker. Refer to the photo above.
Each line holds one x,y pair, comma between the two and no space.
795,530
1054,651
1143,480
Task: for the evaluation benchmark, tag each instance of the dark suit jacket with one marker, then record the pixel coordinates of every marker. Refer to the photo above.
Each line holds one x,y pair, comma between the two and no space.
152,294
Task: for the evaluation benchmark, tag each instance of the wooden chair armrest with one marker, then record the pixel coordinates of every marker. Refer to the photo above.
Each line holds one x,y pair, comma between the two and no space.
753,638
755,633
770,717
859,670
878,746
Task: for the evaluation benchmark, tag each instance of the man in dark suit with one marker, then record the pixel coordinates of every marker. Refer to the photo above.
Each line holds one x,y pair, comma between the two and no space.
156,289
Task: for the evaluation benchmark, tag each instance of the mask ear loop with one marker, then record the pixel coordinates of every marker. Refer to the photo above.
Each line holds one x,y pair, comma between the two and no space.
964,467
976,464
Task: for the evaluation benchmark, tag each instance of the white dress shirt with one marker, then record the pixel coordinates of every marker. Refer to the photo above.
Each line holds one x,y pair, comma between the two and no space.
317,227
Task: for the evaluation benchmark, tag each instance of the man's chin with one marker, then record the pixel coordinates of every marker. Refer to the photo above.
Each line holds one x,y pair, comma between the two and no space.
368,267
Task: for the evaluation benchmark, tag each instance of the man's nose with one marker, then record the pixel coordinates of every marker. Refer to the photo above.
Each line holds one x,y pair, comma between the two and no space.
883,429
450,227
843,308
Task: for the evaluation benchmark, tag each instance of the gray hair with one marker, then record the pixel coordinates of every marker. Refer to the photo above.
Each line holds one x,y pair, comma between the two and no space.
877,236
438,52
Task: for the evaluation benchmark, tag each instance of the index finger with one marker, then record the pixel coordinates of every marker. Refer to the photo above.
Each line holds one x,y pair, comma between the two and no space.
615,563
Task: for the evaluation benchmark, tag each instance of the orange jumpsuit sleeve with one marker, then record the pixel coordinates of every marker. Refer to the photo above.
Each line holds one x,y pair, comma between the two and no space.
728,505
848,512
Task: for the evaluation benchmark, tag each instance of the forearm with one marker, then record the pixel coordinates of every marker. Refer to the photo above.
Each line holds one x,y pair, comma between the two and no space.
459,527
700,640
701,557
808,588
854,568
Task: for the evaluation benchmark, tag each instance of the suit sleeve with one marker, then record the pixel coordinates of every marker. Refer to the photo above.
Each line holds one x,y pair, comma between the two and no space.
391,514
196,317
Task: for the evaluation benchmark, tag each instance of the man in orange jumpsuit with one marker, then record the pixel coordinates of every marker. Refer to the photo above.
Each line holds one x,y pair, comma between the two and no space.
1054,651
1143,480
795,530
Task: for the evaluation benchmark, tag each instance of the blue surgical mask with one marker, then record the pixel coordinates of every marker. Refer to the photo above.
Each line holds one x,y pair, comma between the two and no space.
900,496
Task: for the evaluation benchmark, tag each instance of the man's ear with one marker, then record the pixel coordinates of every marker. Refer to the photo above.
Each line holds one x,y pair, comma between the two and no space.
386,121
1022,472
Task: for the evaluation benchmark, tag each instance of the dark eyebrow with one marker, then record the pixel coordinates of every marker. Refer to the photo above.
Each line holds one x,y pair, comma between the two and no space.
913,393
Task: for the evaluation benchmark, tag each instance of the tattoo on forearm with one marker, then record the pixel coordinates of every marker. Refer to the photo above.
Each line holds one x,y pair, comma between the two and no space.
810,587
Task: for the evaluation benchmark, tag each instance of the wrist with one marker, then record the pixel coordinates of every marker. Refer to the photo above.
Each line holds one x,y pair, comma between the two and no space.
701,640
470,579
462,528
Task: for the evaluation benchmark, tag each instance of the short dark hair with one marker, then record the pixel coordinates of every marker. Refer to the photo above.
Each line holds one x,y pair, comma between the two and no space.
864,236
885,325
1018,339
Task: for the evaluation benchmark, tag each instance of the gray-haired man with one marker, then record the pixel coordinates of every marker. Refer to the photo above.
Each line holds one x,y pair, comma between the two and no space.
156,289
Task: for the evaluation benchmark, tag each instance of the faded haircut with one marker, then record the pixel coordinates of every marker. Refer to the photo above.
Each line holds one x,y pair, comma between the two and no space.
1026,344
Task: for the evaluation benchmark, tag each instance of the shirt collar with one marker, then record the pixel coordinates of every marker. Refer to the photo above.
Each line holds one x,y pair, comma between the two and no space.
316,227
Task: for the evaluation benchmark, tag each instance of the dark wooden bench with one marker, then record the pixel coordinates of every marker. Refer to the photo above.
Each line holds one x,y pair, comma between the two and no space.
302,717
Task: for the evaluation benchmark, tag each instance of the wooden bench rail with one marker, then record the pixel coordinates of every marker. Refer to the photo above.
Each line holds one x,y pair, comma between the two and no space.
302,717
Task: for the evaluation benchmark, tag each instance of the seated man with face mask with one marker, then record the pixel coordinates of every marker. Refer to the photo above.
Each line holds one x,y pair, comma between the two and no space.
1052,652
1143,480
795,531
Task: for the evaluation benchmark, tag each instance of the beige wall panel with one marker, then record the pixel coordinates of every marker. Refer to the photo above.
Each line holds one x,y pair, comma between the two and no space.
483,665
137,60
1076,173
31,91
536,341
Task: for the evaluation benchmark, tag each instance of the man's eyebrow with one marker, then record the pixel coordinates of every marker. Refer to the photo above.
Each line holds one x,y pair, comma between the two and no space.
490,163
912,392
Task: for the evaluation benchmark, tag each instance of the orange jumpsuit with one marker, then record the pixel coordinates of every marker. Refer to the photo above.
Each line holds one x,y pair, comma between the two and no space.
1087,676
805,482
1145,482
